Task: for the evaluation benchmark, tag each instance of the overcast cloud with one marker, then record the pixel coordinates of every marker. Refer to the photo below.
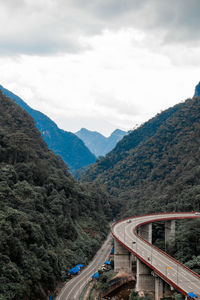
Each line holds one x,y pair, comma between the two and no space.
110,62
56,26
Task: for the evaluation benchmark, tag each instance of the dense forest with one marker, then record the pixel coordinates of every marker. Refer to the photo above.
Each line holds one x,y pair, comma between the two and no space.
186,247
48,221
156,168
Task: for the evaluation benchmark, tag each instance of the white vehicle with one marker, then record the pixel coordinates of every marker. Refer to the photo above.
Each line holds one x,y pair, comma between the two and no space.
197,213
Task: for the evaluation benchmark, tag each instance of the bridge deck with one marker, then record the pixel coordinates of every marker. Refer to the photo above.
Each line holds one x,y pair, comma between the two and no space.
175,273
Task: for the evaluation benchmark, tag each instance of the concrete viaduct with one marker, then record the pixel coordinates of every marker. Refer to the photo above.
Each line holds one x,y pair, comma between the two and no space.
154,268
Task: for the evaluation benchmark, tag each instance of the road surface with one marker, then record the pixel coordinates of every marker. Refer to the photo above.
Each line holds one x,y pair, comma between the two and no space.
72,290
169,269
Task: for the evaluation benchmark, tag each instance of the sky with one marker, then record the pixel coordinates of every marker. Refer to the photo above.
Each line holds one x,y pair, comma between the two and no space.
100,64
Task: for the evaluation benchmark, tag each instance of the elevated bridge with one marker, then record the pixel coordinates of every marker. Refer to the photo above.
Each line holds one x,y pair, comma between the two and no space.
133,238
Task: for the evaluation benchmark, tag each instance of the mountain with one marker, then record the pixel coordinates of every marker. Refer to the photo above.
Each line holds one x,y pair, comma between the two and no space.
197,90
98,143
66,144
157,166
48,221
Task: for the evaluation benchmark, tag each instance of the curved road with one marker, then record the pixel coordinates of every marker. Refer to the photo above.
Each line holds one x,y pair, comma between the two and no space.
72,289
168,268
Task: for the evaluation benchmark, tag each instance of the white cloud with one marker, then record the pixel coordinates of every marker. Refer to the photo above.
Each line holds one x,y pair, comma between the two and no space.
56,26
115,63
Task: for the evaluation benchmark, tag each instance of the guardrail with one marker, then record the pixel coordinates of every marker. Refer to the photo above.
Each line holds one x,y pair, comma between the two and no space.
168,218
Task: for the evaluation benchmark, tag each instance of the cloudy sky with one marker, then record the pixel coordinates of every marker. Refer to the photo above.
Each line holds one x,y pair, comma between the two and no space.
100,64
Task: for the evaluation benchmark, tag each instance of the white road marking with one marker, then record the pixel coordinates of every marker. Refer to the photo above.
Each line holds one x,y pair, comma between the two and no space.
184,277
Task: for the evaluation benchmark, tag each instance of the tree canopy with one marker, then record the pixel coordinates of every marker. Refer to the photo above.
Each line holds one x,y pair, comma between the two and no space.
156,168
48,221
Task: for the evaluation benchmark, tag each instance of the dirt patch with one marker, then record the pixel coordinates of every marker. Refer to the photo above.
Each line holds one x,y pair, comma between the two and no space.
121,293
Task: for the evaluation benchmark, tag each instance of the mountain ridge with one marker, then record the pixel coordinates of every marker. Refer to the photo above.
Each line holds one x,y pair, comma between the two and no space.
48,221
155,167
66,144
98,143
197,90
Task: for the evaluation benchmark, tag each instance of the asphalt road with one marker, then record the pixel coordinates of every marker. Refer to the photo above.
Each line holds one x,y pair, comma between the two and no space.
180,276
72,290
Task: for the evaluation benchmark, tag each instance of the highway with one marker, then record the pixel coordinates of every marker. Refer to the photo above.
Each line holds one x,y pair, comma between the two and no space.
72,289
168,268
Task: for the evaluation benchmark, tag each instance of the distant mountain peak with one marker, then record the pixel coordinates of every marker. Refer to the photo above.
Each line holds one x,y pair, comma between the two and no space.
84,129
118,132
197,90
98,143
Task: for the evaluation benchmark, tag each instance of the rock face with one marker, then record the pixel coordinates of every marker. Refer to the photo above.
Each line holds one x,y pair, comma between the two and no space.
197,90
66,144
98,143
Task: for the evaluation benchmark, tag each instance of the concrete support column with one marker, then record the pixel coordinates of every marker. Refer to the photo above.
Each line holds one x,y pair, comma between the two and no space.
159,288
144,278
170,227
145,231
122,258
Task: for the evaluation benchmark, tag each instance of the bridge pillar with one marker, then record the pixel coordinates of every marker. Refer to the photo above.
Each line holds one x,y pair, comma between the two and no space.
170,233
159,288
144,278
122,258
145,231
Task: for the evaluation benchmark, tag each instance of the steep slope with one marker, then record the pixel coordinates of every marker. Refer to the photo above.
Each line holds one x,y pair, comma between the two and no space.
94,140
98,143
48,222
66,144
115,137
197,90
157,166
129,142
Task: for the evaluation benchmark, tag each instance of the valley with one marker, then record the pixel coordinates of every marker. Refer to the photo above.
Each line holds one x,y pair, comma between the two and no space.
49,221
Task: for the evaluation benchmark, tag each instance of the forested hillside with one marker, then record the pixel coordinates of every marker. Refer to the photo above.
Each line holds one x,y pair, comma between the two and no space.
48,222
66,144
156,167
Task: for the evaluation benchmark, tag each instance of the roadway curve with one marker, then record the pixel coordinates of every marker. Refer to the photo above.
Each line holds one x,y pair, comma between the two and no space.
172,271
73,288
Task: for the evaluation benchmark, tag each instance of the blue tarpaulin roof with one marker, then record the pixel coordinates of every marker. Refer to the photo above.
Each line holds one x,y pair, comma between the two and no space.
95,275
74,270
192,295
80,266
107,262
